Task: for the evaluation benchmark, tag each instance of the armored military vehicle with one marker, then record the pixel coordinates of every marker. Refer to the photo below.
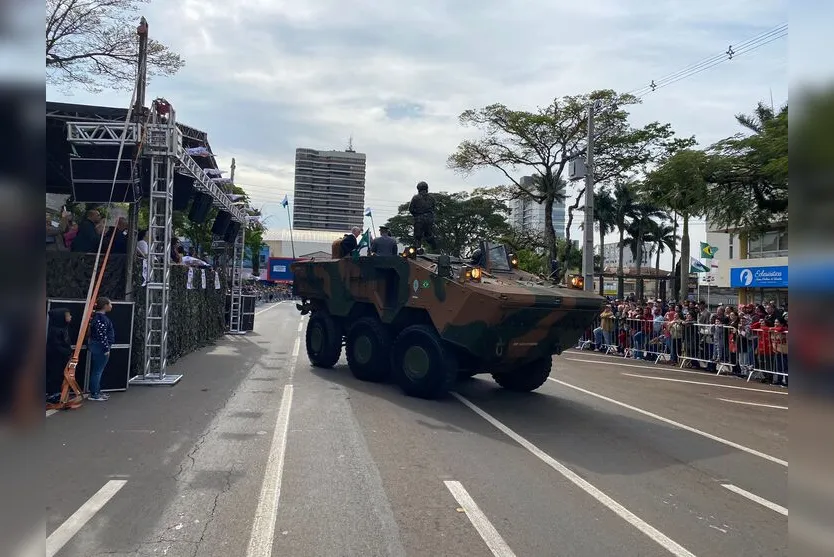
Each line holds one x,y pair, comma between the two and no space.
424,320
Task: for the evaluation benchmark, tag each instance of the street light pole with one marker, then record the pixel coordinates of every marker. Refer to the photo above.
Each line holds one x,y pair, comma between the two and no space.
588,249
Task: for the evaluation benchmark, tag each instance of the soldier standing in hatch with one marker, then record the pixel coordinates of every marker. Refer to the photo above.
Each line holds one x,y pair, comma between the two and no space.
422,209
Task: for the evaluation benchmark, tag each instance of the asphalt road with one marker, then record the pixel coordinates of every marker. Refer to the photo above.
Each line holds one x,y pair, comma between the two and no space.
256,453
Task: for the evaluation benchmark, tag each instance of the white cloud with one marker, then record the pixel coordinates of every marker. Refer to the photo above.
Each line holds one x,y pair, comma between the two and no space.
266,76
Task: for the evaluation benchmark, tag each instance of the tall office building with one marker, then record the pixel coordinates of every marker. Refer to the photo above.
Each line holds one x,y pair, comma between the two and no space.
528,214
329,190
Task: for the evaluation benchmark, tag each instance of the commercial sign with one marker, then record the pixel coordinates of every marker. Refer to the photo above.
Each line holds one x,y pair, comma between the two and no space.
278,269
759,277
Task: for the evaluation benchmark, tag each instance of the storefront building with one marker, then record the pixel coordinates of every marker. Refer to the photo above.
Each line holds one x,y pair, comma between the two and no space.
755,265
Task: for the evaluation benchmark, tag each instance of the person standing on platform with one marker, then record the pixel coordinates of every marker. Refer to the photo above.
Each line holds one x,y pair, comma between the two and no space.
101,338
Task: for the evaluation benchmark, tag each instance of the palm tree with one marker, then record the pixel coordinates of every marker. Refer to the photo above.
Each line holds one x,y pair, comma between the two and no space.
638,230
604,215
624,201
662,234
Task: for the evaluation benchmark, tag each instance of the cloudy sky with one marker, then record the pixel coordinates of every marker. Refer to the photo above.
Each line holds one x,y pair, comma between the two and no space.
266,76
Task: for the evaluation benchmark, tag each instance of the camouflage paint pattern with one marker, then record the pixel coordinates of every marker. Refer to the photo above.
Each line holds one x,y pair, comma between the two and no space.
504,320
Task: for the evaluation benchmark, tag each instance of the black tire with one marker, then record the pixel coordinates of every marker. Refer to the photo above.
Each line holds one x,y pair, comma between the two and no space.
431,377
368,350
323,340
526,379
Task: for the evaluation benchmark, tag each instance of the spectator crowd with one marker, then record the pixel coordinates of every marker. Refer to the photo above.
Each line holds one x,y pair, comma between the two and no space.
749,340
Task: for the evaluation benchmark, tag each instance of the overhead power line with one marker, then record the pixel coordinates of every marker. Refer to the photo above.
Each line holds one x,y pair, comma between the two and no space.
733,51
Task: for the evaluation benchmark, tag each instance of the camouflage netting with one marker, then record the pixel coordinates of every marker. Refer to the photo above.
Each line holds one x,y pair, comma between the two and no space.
195,316
68,275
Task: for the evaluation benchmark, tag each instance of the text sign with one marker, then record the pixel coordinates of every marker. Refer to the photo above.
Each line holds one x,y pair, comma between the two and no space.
278,269
759,277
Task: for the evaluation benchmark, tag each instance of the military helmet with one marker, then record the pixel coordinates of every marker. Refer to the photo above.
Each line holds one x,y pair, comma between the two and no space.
422,186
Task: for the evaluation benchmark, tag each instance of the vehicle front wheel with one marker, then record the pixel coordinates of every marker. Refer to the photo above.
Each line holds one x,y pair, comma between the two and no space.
368,350
527,378
323,339
423,367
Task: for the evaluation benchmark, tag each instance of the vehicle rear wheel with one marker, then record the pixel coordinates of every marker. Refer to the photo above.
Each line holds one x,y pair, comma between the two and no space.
423,367
527,378
368,350
323,339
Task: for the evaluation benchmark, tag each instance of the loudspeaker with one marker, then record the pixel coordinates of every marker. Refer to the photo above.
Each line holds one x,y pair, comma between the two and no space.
200,207
183,189
231,233
221,223
92,180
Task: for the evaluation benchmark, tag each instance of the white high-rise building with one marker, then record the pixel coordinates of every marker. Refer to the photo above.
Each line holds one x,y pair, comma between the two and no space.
611,256
528,214
329,190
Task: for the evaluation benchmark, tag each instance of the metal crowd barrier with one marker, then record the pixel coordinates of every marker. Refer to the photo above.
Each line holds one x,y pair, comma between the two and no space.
718,348
771,354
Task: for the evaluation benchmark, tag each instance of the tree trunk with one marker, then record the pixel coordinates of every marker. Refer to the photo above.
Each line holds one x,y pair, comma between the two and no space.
601,259
640,262
684,291
620,281
657,272
549,233
675,247
569,245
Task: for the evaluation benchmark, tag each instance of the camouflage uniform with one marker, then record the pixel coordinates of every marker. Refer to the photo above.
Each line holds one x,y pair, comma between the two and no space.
422,208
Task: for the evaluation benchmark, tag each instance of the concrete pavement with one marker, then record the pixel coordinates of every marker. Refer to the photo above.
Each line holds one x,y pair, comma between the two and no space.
604,459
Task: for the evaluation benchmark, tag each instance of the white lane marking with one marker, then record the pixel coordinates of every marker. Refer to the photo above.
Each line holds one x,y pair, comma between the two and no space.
51,412
608,361
676,424
754,404
273,306
704,383
79,518
655,535
479,520
755,498
300,325
263,526
294,361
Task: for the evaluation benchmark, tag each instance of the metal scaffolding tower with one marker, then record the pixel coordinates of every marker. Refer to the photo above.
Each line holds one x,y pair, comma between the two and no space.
163,142
236,309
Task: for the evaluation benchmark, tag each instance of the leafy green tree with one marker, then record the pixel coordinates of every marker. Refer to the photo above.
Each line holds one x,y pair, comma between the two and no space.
461,220
749,173
92,43
254,241
680,184
541,143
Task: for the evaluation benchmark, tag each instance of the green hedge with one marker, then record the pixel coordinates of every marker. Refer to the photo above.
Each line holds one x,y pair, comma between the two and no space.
195,317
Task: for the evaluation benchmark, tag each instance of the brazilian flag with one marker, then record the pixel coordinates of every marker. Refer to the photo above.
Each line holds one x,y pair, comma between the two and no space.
708,251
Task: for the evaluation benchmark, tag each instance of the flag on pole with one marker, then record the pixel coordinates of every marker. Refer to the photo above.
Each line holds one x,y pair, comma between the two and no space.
368,212
286,202
696,266
708,251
